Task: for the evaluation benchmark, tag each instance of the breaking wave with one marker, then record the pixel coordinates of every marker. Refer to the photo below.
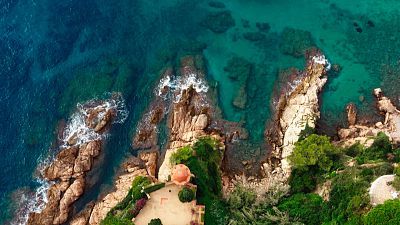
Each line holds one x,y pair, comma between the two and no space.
181,83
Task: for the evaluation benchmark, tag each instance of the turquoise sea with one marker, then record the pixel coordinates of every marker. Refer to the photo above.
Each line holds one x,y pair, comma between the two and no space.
55,54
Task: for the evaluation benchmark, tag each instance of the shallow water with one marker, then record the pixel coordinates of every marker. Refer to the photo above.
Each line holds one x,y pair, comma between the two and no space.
55,54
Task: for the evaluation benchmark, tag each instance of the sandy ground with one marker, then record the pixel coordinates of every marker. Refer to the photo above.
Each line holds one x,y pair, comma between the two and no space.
380,191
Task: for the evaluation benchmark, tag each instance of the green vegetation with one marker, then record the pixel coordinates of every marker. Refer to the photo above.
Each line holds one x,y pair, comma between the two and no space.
186,195
304,207
314,151
155,222
181,155
128,208
378,151
316,162
385,214
154,187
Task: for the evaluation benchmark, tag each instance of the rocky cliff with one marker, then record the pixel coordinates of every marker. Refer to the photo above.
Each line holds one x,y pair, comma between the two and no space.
81,143
294,110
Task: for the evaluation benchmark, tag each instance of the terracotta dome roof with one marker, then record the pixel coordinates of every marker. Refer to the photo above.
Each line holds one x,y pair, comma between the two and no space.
181,174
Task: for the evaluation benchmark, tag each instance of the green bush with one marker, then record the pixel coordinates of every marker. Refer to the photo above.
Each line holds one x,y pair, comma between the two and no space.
302,181
377,151
387,213
307,208
135,193
315,150
181,155
155,222
112,220
307,131
349,198
397,171
154,187
396,183
186,195
354,150
241,197
206,149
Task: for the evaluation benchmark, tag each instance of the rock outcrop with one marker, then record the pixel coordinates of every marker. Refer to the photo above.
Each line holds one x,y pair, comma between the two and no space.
83,139
121,189
294,111
364,134
189,116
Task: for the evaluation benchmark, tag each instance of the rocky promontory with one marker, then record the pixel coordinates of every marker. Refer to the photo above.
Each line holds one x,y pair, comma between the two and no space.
82,142
295,109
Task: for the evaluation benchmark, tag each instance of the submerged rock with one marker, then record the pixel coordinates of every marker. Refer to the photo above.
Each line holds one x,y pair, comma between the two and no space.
351,114
295,42
254,36
219,22
216,4
263,27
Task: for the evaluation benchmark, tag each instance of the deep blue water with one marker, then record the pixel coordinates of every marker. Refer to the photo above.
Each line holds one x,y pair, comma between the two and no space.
54,54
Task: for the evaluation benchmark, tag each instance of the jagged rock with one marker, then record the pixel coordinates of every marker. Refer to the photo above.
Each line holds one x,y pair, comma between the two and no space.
351,114
63,166
69,168
150,159
122,186
364,134
83,217
295,110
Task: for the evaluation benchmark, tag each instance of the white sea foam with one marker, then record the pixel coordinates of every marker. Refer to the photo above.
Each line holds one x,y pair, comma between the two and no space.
180,83
78,127
36,202
30,202
321,59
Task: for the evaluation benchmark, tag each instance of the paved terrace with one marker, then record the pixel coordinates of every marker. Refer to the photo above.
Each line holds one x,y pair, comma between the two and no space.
165,205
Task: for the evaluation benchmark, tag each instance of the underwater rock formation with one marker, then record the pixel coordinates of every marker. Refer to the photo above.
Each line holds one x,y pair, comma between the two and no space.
82,143
364,134
254,36
351,114
219,22
239,70
295,42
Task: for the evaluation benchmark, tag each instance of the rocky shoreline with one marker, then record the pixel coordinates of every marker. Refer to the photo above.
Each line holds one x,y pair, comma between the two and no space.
363,134
183,106
83,139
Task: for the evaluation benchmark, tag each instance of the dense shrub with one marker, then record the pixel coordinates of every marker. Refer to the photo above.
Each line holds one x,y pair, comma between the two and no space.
241,197
307,131
307,208
315,150
155,222
112,220
354,150
302,181
186,195
348,198
379,150
153,188
181,155
206,149
387,213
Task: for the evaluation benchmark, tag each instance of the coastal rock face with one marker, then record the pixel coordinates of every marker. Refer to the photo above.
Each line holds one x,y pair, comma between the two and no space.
189,117
364,134
121,188
67,172
295,110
